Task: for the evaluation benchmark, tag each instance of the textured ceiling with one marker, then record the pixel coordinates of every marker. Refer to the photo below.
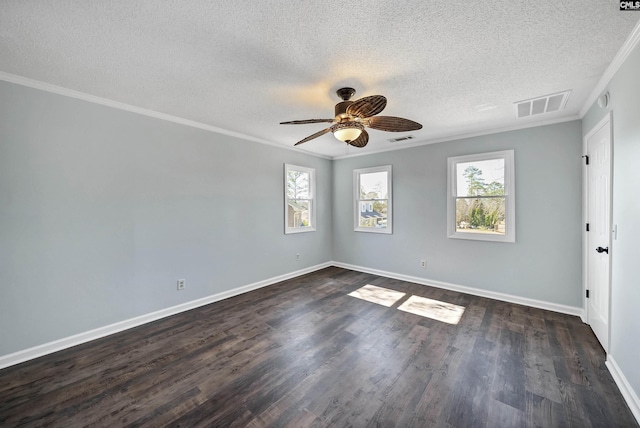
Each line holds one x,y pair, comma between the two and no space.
244,66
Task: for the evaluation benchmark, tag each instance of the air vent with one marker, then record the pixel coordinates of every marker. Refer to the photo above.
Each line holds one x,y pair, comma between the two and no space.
541,105
405,138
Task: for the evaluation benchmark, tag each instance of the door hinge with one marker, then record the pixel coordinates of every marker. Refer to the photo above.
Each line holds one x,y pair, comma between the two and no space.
587,294
586,159
587,227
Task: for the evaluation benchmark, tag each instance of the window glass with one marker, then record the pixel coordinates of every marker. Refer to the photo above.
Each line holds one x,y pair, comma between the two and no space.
372,192
299,183
482,200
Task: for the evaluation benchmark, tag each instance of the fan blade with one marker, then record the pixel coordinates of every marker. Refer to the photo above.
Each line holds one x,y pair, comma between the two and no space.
367,106
311,137
302,122
393,124
361,141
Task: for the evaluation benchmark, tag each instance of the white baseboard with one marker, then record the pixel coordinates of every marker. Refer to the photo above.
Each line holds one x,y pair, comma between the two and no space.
68,342
8,360
627,391
555,307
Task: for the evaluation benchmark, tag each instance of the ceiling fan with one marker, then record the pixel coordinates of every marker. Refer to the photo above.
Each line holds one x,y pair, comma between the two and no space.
353,116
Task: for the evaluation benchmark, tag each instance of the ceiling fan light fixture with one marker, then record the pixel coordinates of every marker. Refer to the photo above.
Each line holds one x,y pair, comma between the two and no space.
347,131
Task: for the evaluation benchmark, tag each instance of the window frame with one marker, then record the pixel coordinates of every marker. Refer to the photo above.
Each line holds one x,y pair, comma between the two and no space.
312,200
509,195
357,201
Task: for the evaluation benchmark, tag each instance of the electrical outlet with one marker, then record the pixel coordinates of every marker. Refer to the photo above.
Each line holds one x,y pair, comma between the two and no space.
423,264
182,283
297,257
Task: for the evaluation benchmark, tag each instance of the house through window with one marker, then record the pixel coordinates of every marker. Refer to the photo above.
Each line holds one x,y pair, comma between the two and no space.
372,194
299,210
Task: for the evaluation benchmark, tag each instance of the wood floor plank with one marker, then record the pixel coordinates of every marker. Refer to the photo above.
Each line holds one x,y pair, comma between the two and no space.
542,412
504,415
509,382
304,353
469,401
540,373
566,360
431,409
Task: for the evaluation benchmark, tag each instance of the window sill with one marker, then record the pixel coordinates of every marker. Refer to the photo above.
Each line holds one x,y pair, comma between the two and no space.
292,230
373,230
476,236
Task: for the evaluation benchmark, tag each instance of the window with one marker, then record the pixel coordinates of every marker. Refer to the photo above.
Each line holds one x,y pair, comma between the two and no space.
372,194
481,202
299,199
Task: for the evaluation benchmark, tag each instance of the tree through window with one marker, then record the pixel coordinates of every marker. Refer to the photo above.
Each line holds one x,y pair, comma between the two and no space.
482,197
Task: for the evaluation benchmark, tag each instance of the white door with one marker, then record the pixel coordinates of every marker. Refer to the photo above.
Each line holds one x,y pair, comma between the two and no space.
599,234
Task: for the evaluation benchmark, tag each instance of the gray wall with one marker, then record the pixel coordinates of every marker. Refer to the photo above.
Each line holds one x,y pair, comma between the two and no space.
102,210
545,261
625,269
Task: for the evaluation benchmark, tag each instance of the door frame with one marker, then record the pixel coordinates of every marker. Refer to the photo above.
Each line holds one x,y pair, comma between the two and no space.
608,118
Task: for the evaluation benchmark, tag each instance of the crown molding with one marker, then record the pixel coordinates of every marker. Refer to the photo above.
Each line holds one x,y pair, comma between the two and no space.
487,131
627,47
47,87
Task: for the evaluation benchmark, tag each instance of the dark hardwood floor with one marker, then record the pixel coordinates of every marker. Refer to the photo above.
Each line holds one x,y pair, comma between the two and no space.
304,353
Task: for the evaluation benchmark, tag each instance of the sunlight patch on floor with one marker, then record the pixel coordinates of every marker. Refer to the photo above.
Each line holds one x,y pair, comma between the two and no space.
434,309
380,295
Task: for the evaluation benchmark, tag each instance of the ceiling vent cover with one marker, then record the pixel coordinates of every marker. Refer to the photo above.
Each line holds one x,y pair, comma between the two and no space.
405,138
541,105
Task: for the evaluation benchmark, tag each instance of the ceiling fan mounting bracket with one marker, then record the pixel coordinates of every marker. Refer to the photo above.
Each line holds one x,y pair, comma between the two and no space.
345,93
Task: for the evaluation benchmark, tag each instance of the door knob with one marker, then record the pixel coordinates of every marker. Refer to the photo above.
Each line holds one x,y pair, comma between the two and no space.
602,250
